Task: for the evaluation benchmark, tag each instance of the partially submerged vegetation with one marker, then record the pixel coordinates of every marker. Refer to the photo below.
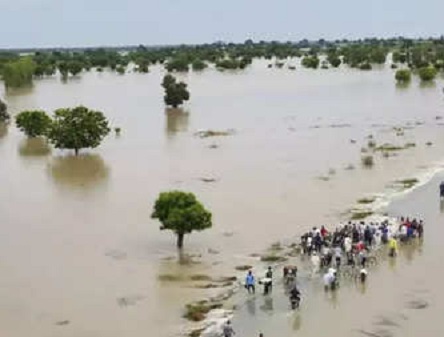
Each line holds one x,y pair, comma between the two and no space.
213,133
368,161
69,128
197,311
273,258
403,76
4,115
360,214
424,57
367,200
389,148
176,92
407,183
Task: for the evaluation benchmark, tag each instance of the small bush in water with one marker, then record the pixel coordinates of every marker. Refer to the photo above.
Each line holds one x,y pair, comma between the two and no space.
368,161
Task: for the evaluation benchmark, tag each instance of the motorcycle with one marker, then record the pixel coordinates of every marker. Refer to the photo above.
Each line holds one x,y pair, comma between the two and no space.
295,299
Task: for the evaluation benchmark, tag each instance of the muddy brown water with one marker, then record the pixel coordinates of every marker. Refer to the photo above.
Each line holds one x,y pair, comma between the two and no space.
79,254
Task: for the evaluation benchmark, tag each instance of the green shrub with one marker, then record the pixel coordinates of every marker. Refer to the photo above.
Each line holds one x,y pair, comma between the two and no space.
403,75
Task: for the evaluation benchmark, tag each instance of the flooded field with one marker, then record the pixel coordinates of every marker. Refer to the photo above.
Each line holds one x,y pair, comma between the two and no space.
79,254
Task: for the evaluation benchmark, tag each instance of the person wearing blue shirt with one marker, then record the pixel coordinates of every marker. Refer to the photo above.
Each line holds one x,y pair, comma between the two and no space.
250,282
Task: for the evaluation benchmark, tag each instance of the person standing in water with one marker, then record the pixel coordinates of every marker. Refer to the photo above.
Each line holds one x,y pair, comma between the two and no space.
393,247
250,282
228,330
268,282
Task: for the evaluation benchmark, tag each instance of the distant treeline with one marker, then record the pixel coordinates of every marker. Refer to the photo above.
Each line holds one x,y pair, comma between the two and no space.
18,68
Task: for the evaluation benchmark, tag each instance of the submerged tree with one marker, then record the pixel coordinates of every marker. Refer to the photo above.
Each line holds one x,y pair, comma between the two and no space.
403,75
18,73
427,73
33,123
78,128
4,115
310,62
181,213
175,92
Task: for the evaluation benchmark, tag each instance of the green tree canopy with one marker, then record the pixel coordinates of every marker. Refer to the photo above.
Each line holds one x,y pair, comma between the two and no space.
33,123
175,92
4,115
403,75
19,73
310,62
75,67
334,60
181,213
427,73
78,128
198,65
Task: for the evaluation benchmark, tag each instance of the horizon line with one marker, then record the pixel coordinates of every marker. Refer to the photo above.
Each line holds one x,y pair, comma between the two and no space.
152,46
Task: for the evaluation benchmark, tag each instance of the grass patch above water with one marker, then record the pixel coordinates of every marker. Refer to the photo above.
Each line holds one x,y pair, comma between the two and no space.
196,333
367,161
365,201
200,277
273,258
214,133
196,312
407,183
389,147
360,215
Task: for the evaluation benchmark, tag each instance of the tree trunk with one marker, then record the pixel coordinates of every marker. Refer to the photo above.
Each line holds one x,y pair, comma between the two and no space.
180,237
76,151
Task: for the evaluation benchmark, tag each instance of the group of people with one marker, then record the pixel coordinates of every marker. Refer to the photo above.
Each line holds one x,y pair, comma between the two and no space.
353,240
348,244
351,244
267,282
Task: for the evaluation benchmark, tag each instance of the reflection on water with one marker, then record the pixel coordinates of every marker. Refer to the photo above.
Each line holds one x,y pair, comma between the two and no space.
402,85
297,323
34,147
392,263
441,203
17,92
362,287
251,306
3,130
268,304
410,249
427,84
332,297
177,120
83,171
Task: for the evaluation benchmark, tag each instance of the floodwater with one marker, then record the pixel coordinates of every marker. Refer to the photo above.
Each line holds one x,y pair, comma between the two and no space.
79,254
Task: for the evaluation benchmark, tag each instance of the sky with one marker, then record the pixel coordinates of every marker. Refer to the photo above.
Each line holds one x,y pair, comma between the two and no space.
82,23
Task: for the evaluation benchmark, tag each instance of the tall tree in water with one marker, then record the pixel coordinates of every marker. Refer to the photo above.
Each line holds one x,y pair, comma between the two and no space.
33,123
18,73
181,213
175,92
78,128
